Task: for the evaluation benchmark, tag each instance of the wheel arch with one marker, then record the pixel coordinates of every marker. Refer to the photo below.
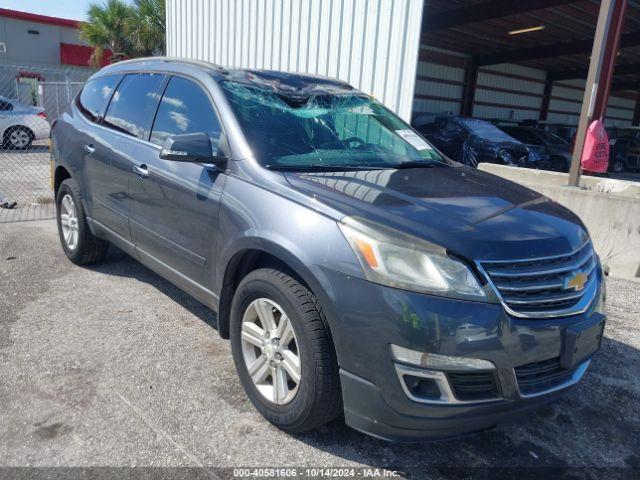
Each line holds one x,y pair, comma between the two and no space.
262,254
59,176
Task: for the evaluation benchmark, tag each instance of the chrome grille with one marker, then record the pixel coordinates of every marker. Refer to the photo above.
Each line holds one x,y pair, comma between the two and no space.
538,286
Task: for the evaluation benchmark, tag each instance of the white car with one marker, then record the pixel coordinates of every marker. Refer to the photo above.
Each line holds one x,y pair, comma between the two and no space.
21,124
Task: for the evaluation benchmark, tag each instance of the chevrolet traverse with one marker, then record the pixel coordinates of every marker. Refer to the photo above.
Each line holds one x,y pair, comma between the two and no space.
355,269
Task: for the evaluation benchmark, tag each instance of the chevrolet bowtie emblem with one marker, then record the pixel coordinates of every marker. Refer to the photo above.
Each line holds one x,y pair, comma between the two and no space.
575,281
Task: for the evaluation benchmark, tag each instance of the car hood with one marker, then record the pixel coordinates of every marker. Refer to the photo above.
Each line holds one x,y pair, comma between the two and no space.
471,213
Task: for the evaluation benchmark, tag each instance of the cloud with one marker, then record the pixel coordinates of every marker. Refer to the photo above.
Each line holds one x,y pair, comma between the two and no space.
180,119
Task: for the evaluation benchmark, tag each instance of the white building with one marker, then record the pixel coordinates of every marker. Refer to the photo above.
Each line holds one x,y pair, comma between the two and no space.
489,59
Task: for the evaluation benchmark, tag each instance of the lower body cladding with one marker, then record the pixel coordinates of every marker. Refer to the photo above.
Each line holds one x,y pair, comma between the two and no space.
417,366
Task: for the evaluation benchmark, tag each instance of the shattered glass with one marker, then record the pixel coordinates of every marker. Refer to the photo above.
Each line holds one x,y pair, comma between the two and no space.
322,126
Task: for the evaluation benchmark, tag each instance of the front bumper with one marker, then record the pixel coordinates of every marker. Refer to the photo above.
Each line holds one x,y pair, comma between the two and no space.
366,319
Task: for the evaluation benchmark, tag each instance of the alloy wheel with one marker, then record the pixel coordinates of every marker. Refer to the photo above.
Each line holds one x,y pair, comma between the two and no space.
270,351
19,138
69,222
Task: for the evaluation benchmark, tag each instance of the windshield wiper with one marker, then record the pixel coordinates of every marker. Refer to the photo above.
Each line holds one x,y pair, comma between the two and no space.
421,164
322,168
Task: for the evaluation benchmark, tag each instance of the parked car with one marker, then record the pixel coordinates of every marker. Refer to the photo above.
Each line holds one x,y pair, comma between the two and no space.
21,124
624,151
353,267
471,141
561,130
554,148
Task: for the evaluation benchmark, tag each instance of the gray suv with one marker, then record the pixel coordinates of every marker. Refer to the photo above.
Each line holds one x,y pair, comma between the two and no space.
356,269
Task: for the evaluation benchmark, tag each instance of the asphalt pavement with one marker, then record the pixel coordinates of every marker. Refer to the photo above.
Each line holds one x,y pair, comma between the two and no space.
111,365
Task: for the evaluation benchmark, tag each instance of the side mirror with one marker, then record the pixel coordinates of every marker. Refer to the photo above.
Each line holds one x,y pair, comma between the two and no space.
190,147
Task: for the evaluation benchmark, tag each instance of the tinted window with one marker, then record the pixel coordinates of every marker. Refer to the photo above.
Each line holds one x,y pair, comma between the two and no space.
185,108
5,106
134,104
96,94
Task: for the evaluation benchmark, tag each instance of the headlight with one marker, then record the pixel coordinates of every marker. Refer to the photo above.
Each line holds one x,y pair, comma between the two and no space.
392,258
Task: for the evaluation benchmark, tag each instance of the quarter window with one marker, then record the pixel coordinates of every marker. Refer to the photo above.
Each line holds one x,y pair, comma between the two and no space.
134,103
185,108
95,95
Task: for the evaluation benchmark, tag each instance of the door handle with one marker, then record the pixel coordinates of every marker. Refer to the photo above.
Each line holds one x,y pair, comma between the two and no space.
90,149
141,170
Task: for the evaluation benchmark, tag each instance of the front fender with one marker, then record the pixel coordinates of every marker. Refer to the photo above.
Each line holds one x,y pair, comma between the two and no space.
253,218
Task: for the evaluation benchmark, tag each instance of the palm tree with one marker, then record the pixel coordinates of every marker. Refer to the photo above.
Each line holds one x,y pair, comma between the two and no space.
148,27
108,28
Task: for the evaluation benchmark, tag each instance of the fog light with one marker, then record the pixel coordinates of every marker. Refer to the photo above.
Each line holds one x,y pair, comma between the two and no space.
433,387
426,388
440,362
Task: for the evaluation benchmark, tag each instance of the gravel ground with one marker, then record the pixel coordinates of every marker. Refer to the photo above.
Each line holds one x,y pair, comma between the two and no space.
25,175
113,366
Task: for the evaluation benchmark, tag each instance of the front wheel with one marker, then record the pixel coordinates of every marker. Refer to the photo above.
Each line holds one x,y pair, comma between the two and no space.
283,352
617,166
558,164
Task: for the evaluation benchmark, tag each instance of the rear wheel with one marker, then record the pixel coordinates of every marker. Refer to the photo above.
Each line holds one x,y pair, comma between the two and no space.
283,352
78,243
18,138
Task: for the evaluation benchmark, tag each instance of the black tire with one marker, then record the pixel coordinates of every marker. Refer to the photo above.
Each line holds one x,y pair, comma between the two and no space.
25,130
318,399
617,166
559,164
89,248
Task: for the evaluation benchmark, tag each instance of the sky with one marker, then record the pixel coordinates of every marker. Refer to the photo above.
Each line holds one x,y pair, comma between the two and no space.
74,9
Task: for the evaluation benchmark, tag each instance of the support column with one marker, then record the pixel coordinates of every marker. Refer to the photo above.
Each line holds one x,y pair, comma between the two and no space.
469,92
636,112
603,58
546,98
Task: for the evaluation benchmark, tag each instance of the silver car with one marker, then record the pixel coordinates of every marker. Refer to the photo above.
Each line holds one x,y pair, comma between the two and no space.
21,124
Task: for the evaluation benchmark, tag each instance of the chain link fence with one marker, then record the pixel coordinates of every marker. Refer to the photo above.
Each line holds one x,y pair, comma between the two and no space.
31,97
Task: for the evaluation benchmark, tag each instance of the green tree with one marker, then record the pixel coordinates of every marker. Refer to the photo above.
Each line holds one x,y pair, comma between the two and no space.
148,27
127,30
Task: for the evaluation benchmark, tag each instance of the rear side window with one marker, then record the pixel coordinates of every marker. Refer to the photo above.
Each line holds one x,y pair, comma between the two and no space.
95,95
134,103
185,108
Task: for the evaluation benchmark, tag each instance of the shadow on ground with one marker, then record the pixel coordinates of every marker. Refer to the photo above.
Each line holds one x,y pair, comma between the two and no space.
34,149
120,264
596,425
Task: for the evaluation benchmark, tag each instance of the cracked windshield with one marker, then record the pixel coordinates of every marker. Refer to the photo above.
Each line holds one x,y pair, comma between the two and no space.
325,131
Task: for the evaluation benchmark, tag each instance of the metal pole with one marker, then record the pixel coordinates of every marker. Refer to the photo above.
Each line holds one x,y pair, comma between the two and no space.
636,112
546,98
612,46
66,77
598,54
469,91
